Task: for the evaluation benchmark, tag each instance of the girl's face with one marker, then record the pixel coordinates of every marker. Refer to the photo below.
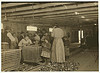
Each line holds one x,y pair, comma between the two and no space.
26,38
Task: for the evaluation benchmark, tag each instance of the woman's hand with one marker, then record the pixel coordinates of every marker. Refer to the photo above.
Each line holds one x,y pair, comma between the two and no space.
46,41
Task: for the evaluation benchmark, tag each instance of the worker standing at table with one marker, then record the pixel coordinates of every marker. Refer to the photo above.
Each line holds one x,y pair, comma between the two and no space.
24,42
57,51
30,53
15,43
12,39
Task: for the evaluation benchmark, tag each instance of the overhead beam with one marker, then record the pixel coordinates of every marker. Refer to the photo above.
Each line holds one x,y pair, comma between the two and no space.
92,16
33,7
57,12
82,13
62,18
48,9
60,14
12,4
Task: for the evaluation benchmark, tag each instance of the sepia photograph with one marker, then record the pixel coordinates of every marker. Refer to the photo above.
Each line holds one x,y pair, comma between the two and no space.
49,36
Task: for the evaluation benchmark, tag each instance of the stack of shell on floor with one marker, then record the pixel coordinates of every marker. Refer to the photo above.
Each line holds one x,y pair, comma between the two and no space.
67,66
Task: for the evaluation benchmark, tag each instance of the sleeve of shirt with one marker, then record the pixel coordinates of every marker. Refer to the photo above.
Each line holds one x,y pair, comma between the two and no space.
30,41
42,38
20,43
53,33
9,35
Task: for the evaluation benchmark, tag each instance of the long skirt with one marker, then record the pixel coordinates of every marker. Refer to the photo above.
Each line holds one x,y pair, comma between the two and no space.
57,52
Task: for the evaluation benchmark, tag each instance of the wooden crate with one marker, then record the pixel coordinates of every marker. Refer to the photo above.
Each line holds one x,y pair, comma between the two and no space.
11,59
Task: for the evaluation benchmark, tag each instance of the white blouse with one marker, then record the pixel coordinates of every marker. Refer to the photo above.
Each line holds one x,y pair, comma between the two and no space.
24,42
10,36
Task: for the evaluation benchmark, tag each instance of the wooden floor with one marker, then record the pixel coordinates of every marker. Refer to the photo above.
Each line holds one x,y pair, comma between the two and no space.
88,60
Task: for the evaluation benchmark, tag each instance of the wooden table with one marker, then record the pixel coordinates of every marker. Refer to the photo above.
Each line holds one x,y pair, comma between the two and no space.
31,53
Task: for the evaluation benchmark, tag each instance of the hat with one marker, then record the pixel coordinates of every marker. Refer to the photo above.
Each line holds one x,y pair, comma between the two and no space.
22,32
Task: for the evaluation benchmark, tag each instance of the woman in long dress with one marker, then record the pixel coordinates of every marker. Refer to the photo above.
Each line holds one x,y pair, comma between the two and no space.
57,51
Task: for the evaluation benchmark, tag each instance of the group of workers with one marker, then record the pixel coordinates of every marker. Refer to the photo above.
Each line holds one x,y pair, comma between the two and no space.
52,51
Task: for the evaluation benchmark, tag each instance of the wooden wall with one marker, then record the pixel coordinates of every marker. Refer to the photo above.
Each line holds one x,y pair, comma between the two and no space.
16,27
19,27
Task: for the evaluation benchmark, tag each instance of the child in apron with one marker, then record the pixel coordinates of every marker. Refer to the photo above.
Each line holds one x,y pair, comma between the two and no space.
46,51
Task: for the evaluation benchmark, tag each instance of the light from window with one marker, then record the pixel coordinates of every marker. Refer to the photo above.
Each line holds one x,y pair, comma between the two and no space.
31,28
1,25
50,29
80,35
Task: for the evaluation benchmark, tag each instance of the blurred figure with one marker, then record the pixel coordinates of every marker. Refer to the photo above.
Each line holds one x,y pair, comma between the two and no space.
57,52
87,39
30,36
12,39
46,48
66,45
21,36
45,36
37,39
5,38
16,41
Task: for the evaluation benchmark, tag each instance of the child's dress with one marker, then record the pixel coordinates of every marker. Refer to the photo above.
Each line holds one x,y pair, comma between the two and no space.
46,50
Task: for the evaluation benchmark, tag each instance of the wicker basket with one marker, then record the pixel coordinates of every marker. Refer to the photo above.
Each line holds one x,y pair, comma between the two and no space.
11,59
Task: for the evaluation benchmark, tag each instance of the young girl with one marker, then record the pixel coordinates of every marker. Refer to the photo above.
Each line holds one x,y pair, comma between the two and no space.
45,50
